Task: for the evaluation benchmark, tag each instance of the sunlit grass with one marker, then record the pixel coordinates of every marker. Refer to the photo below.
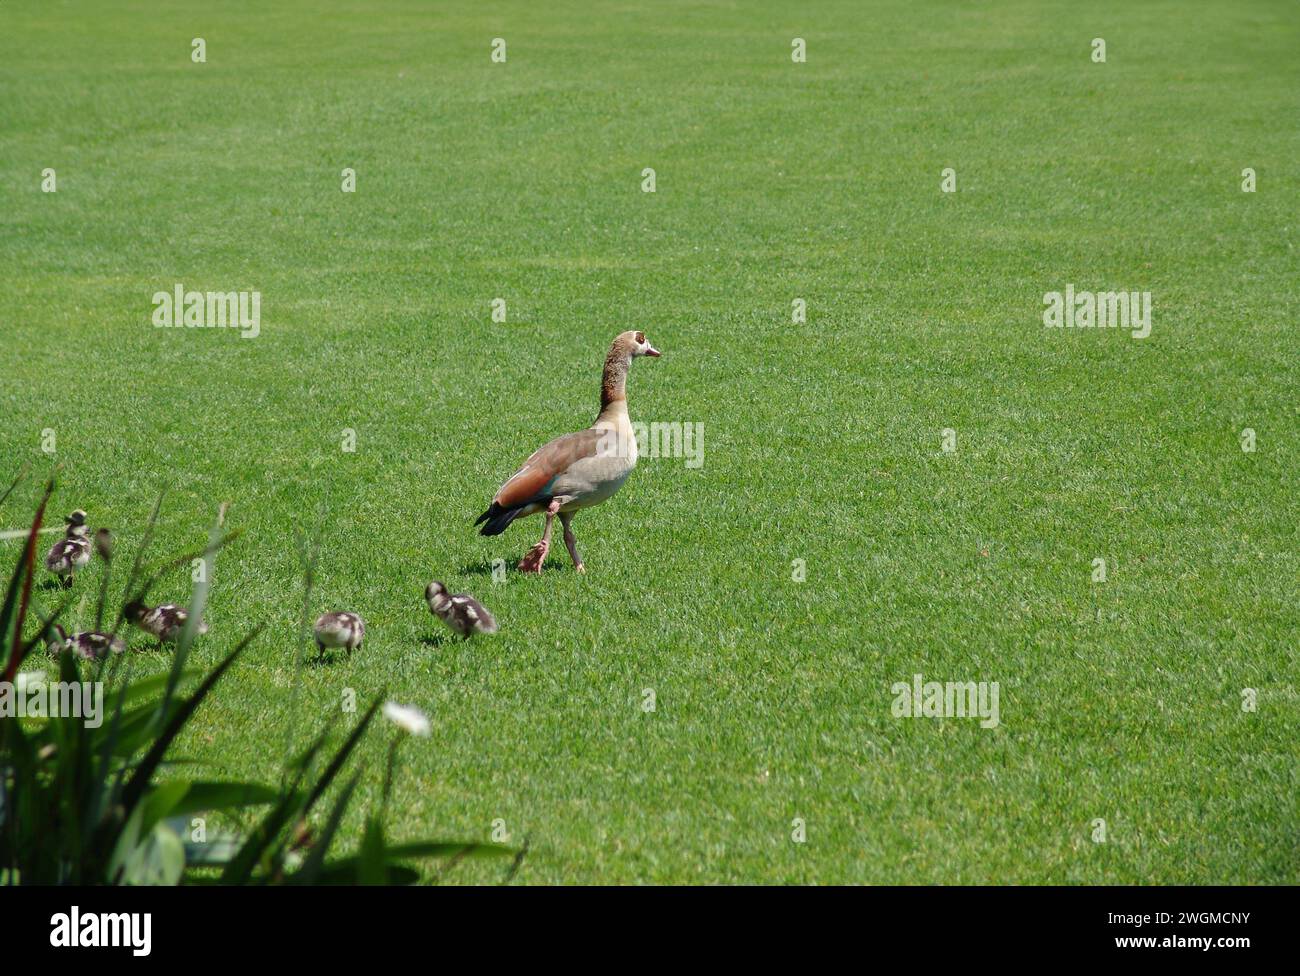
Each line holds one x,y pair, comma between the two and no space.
1120,701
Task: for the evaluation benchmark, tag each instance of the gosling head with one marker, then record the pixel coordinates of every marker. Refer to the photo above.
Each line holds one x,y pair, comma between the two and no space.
57,639
436,595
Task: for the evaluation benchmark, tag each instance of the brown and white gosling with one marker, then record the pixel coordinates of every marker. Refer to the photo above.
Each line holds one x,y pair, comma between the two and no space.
165,621
88,644
461,612
72,552
339,629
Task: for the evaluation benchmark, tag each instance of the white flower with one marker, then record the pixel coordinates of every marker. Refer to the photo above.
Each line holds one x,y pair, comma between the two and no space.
407,717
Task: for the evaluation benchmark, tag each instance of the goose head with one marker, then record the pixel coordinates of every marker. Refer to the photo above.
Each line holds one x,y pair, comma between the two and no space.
634,344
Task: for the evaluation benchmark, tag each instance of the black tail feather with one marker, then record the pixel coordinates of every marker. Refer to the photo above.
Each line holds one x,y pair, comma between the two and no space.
498,519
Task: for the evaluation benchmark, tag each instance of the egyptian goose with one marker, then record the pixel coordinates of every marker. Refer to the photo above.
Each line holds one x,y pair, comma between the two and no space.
461,612
339,629
574,471
72,552
88,644
165,621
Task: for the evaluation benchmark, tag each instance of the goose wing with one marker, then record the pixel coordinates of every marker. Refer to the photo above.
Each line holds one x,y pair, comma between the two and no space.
533,480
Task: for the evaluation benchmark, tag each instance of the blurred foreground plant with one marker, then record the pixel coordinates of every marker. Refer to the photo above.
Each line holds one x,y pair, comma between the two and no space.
80,801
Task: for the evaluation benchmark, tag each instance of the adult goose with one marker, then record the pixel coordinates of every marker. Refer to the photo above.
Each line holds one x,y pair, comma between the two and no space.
578,470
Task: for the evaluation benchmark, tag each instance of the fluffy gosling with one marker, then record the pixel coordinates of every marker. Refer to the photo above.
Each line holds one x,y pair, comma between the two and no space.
165,621
88,644
339,629
461,612
72,552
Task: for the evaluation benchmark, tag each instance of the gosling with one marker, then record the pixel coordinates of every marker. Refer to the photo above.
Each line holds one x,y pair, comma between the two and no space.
165,621
339,629
90,645
461,612
72,552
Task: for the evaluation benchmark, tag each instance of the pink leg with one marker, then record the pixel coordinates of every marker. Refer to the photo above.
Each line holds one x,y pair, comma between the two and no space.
570,540
533,559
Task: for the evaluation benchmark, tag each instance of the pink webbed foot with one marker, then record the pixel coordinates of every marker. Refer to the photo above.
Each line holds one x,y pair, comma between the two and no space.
533,559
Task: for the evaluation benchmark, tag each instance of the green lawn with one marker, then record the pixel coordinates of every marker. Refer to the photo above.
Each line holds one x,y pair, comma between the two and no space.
775,181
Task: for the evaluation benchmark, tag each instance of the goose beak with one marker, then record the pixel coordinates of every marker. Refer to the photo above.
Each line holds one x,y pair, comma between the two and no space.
652,351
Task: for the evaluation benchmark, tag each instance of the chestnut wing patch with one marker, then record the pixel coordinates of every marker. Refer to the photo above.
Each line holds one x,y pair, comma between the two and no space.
531,481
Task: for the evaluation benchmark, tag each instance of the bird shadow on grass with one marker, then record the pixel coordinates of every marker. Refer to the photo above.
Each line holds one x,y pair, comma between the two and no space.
317,662
485,569
435,640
